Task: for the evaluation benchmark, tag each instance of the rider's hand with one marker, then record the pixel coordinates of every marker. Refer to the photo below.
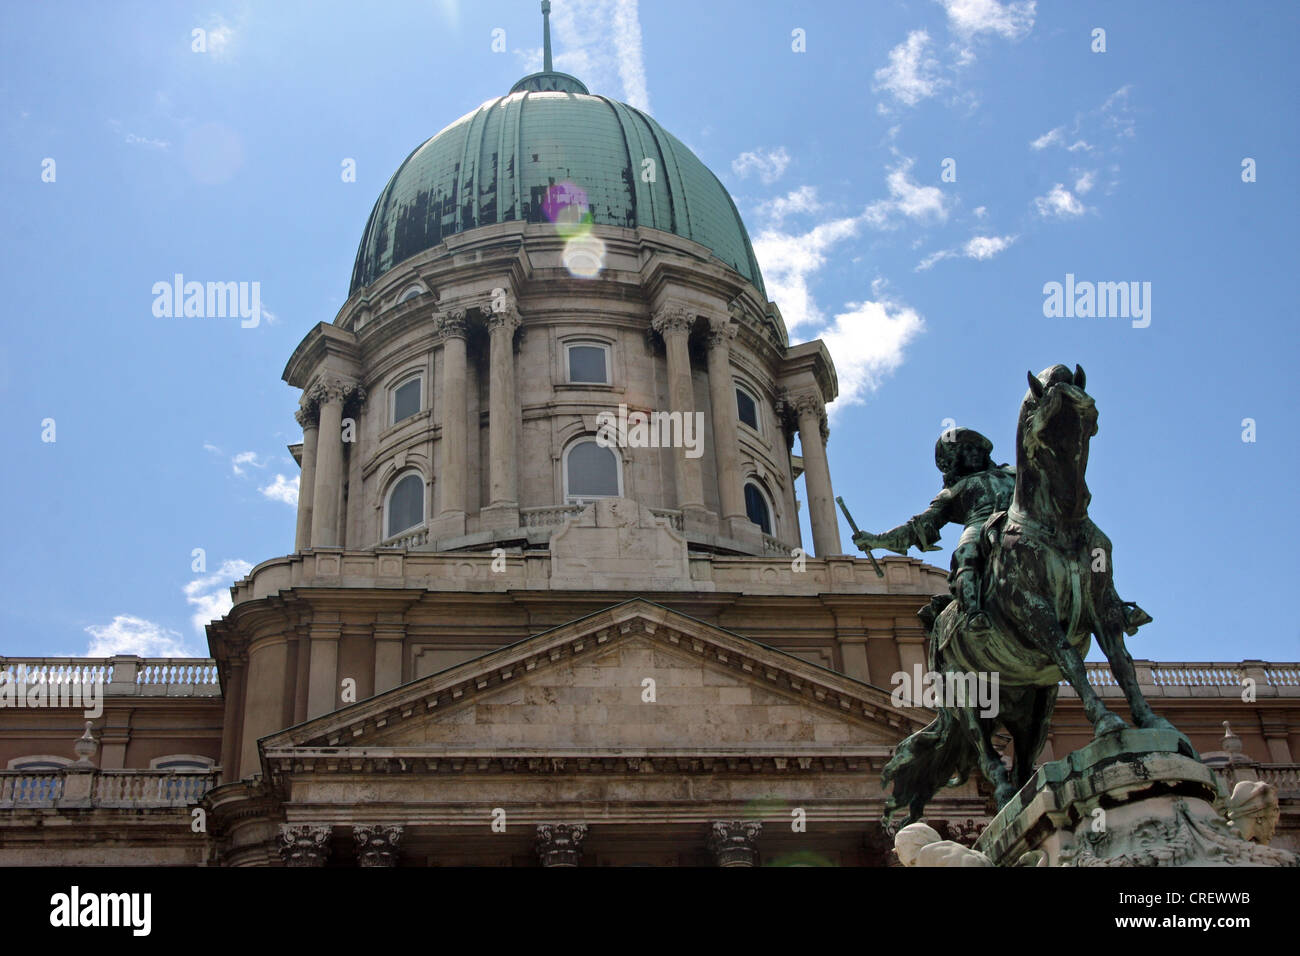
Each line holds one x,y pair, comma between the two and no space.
865,541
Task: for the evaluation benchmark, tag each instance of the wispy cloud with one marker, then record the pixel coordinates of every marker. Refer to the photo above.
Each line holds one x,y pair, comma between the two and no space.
598,41
867,342
245,458
282,489
768,164
135,635
968,18
912,74
789,259
979,248
797,202
907,199
210,595
1059,203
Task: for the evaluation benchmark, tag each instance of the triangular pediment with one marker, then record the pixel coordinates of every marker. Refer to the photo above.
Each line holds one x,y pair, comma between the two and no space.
634,679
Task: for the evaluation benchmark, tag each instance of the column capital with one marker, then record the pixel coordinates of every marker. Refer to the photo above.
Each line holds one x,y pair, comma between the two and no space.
673,317
560,844
334,389
304,845
722,331
506,318
806,402
734,842
377,844
452,324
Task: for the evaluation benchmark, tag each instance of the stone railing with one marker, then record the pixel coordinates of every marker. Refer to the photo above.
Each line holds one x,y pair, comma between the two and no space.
1199,678
89,787
552,516
120,676
674,517
1284,776
774,545
407,539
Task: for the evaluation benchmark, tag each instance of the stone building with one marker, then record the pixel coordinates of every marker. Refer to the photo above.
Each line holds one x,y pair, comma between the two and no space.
503,638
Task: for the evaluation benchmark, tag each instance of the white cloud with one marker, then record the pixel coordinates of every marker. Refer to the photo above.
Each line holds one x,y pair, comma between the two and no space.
135,635
1085,182
787,261
631,60
1050,138
210,595
966,18
978,248
208,446
799,201
768,164
907,198
1059,203
911,75
282,489
867,343
981,212
1078,145
245,458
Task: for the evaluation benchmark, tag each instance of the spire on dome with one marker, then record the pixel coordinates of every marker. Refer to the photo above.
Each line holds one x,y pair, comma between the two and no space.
548,80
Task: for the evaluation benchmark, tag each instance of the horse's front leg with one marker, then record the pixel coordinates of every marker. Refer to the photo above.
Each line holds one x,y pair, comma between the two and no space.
1038,624
1110,637
990,761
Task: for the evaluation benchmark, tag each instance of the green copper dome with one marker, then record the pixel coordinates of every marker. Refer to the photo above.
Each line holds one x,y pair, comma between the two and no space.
546,147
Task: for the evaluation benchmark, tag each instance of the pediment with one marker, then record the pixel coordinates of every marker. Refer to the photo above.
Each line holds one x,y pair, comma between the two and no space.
636,679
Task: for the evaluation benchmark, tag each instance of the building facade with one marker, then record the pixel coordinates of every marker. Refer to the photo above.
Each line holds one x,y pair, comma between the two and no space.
549,602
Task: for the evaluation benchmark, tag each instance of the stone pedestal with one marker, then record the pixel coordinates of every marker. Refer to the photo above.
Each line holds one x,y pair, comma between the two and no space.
1126,799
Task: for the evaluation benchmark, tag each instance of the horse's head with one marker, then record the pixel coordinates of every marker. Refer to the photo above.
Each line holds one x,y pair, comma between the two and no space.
1057,420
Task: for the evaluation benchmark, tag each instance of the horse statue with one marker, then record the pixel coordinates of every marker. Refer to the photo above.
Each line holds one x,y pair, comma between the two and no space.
1046,588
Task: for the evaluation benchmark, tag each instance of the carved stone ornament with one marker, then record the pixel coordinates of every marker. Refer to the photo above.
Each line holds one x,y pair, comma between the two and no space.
560,844
735,842
1168,831
1253,811
304,845
452,323
672,318
721,333
919,844
377,844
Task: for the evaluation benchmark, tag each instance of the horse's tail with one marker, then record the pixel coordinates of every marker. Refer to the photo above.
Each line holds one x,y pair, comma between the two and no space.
925,762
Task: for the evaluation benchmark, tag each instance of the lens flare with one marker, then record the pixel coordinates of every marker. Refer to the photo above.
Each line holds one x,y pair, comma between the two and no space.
584,256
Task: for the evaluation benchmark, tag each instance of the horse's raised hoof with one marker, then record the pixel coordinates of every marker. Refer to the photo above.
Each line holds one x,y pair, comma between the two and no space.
1109,724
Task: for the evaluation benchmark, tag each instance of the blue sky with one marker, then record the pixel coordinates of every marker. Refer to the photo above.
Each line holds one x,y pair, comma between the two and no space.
1123,165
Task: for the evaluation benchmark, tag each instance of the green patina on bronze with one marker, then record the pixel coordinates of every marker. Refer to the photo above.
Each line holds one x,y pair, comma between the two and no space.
1031,585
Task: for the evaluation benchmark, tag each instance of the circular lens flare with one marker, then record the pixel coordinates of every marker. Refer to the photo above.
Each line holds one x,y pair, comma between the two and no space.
584,256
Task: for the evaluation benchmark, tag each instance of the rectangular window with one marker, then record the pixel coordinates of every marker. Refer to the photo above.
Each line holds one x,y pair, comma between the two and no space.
406,400
588,365
747,408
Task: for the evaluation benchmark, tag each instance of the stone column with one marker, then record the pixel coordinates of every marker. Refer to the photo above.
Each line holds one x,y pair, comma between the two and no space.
734,842
309,418
503,457
560,844
304,845
817,474
232,691
329,466
322,681
455,437
389,635
722,402
377,844
674,322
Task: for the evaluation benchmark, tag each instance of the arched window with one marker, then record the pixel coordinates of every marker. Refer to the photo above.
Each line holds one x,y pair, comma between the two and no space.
39,762
410,293
756,507
182,762
591,471
405,506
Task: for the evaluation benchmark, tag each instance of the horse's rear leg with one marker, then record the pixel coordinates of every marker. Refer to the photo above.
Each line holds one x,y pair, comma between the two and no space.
991,765
1038,623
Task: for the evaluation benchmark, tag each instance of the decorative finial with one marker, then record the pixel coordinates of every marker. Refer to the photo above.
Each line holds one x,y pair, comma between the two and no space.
546,36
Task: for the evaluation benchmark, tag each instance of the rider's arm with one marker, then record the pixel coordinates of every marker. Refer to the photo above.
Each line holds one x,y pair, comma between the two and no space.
921,531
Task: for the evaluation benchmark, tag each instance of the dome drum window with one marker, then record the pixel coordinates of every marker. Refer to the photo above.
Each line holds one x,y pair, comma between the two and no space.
757,508
406,399
591,471
747,408
587,363
404,508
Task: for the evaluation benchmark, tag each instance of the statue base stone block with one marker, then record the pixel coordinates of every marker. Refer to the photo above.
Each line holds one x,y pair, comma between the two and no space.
1126,799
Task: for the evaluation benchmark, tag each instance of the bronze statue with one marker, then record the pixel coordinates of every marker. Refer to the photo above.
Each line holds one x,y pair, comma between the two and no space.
973,488
1046,587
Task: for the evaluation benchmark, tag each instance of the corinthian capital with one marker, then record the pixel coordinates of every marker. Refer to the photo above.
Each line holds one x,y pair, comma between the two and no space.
734,842
304,845
507,317
308,413
673,317
377,844
452,323
560,844
722,331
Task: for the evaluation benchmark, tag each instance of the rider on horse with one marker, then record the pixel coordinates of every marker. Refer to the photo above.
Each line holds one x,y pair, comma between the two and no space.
973,489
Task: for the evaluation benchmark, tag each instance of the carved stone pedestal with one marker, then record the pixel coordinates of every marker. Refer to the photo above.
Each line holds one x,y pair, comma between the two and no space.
1126,799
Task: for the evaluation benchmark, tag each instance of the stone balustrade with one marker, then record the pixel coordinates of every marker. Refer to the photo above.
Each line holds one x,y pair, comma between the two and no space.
1198,678
121,676
90,787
